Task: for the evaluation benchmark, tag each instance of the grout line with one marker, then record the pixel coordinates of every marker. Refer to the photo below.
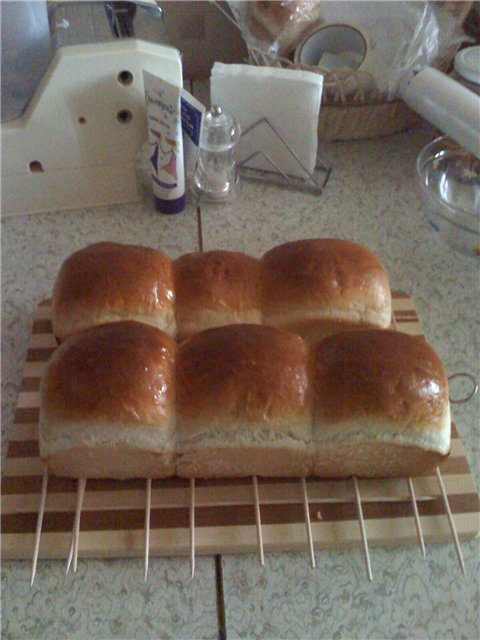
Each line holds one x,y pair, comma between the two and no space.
222,625
199,229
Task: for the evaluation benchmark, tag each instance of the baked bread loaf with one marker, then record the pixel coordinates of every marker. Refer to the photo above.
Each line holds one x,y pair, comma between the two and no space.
122,400
216,288
310,287
381,406
119,399
243,403
322,286
108,404
108,282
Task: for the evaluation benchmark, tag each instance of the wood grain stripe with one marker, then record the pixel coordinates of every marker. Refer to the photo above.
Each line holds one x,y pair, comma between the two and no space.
400,314
27,414
22,485
30,384
221,496
43,341
454,466
25,498
42,326
39,355
403,304
34,369
410,330
22,467
239,539
27,431
226,516
43,312
23,449
27,483
28,400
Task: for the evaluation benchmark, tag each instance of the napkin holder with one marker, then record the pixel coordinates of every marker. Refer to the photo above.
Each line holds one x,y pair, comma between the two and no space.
278,113
314,182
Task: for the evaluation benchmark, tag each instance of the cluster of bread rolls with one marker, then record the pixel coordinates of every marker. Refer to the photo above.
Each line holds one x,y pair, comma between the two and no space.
312,287
124,400
238,394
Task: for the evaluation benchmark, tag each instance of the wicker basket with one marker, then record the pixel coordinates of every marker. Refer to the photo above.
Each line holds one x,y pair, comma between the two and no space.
357,121
364,114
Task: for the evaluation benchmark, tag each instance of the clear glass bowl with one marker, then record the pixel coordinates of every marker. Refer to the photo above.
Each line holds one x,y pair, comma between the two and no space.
449,178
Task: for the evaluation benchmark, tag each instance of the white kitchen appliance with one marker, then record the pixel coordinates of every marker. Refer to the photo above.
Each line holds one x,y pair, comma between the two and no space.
76,143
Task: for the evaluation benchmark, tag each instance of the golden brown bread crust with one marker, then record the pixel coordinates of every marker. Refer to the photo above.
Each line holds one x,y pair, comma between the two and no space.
247,377
243,404
108,404
107,281
121,373
313,281
214,289
379,373
243,389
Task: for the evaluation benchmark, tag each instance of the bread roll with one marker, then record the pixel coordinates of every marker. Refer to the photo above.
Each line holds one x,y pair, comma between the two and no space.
322,286
107,282
243,403
381,406
108,404
216,288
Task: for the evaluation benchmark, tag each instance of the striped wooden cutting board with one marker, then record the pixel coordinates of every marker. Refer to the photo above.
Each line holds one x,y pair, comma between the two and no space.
113,512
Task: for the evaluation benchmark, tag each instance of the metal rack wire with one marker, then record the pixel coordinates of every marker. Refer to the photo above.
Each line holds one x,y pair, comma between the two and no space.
311,182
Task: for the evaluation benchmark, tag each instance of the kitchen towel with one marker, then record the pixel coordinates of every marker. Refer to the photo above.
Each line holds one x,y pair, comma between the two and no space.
289,98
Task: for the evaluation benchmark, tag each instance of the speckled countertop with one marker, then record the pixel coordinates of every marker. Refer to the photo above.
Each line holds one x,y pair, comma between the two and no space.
371,199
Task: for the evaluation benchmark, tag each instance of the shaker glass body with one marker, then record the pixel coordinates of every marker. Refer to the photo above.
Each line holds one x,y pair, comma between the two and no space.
215,174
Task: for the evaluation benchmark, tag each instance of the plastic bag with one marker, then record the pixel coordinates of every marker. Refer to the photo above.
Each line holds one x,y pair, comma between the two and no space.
402,35
275,27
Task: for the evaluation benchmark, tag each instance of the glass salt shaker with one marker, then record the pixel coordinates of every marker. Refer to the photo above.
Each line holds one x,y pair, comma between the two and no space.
215,173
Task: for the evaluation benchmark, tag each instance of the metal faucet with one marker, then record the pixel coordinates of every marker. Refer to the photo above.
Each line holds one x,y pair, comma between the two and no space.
143,19
128,19
31,31
120,16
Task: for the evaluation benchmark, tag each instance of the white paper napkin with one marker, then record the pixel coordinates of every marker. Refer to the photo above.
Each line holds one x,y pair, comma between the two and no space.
289,98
